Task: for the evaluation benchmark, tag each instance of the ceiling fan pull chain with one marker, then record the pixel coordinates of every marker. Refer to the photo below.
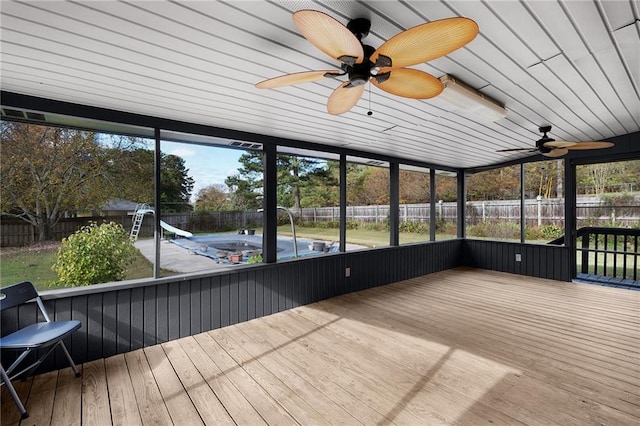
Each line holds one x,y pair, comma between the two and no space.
369,112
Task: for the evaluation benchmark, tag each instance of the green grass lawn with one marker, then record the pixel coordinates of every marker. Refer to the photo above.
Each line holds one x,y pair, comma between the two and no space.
363,237
35,266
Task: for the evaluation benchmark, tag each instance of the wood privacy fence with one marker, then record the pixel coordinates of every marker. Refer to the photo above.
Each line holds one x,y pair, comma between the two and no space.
590,211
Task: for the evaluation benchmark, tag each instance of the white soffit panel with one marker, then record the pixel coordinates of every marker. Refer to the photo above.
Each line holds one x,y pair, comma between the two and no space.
628,39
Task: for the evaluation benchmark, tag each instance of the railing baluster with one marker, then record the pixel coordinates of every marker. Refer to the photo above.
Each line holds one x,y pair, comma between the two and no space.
624,257
595,253
615,255
604,266
635,259
585,254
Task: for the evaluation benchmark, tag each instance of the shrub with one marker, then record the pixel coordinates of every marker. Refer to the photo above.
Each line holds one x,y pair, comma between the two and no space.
551,232
351,224
495,229
414,227
94,254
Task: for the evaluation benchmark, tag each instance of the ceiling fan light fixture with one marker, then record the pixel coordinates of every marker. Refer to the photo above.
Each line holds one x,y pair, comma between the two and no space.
468,99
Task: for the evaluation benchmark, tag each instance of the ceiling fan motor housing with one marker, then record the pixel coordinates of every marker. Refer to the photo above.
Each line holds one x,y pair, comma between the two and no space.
359,74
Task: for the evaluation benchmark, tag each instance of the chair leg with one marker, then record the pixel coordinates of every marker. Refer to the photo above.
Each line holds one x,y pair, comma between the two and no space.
66,352
14,394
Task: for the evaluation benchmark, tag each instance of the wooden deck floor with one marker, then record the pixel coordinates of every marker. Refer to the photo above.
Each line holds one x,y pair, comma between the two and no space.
457,347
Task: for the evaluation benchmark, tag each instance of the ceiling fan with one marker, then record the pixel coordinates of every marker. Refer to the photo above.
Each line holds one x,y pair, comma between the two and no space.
385,66
550,147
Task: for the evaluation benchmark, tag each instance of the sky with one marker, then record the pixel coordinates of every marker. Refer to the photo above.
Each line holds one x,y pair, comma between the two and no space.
207,164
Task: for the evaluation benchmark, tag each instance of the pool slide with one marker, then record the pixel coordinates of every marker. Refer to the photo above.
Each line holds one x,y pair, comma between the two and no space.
174,230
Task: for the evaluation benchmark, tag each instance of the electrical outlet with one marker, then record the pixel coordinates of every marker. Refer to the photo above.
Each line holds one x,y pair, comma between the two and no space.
518,257
347,272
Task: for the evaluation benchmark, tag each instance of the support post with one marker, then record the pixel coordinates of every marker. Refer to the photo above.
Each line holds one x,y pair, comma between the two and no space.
462,198
570,214
432,205
523,219
343,202
157,230
269,204
394,203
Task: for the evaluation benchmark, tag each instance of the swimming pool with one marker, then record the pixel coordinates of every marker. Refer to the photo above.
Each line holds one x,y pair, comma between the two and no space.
220,246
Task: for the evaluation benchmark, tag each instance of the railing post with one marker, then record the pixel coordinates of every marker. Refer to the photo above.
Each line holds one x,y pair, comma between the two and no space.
585,252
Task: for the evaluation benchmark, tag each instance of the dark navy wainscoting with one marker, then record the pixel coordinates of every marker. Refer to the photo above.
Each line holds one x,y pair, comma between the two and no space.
538,260
121,317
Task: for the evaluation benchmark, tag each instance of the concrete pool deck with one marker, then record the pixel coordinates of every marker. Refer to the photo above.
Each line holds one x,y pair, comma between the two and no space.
178,259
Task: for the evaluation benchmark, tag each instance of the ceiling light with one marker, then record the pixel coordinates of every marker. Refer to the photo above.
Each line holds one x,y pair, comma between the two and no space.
468,99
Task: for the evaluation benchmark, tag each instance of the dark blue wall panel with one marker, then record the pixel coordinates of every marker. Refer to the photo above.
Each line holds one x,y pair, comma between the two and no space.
538,260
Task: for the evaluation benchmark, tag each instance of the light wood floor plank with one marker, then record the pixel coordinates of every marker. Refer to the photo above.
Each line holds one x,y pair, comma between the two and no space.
67,406
303,412
151,406
173,393
204,399
124,409
95,396
268,408
459,347
40,402
240,410
306,389
9,414
463,332
389,373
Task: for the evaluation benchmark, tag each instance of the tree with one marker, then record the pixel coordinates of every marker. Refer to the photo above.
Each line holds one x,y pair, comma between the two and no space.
497,184
446,188
246,186
134,171
414,187
322,188
298,175
212,198
47,172
175,184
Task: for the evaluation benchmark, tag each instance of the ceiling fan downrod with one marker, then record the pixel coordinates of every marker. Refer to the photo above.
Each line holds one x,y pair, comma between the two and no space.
360,74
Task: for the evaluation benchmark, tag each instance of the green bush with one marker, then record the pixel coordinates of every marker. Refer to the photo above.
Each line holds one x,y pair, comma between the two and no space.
495,229
94,254
552,232
414,227
352,224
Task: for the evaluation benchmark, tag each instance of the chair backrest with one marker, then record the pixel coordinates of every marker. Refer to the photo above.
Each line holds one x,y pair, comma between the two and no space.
17,294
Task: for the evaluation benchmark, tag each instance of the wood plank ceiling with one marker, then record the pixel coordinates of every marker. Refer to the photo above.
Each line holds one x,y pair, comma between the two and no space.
572,64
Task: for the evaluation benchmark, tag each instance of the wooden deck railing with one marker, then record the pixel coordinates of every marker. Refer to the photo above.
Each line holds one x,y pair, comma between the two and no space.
609,252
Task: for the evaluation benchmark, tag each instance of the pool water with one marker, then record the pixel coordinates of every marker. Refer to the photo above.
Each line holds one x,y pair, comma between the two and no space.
217,246
232,245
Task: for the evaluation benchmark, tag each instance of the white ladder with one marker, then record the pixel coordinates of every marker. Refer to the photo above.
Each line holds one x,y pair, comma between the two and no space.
138,216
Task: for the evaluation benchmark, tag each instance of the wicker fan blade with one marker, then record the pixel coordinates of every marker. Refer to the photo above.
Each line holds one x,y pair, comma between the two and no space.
516,149
559,144
408,83
425,42
328,35
557,152
295,78
590,145
344,98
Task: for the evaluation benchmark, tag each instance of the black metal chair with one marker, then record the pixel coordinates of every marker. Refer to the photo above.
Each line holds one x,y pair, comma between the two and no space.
41,335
